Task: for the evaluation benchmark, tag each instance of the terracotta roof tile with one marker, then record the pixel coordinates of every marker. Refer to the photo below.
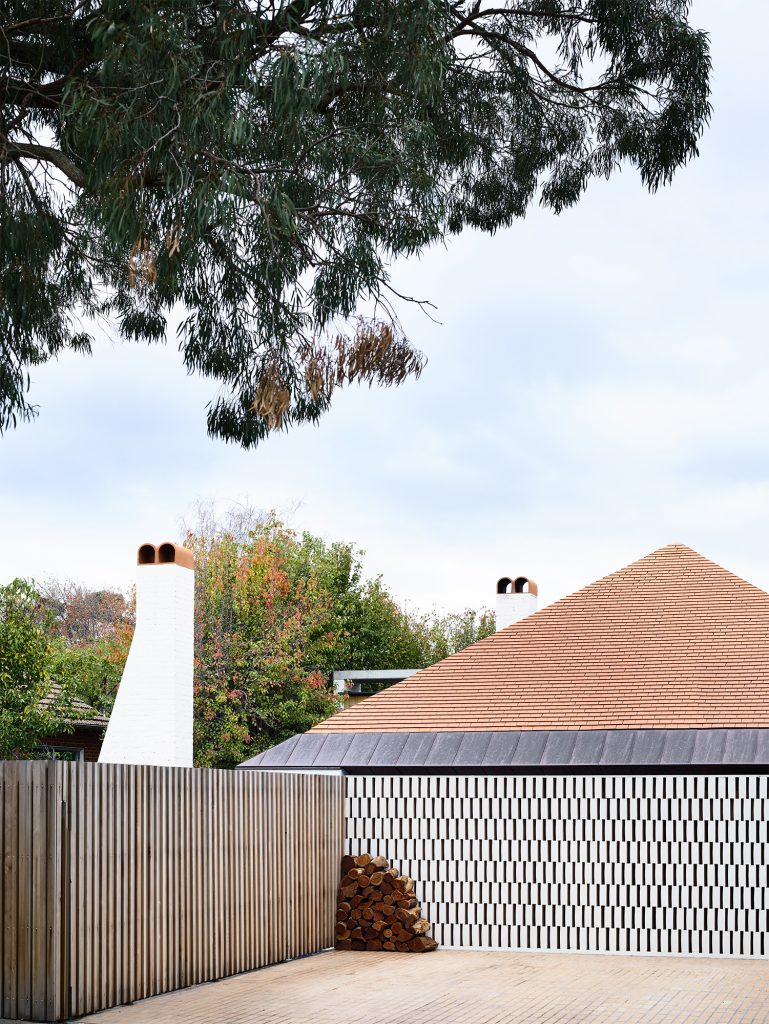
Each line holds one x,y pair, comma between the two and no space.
672,641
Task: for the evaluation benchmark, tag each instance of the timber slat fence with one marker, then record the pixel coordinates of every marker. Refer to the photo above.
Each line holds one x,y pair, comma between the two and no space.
120,882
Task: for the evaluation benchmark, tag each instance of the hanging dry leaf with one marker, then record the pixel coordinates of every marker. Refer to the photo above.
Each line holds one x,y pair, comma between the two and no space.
142,264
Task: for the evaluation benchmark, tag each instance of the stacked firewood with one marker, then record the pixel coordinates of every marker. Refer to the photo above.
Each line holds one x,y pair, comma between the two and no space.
377,909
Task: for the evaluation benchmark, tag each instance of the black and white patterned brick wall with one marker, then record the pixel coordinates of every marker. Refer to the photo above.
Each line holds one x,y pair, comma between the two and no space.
625,864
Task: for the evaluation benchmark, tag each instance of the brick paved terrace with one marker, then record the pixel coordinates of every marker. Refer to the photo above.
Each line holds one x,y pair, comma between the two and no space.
453,987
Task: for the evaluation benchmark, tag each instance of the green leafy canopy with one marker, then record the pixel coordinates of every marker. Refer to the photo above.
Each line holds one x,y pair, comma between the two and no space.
32,704
259,163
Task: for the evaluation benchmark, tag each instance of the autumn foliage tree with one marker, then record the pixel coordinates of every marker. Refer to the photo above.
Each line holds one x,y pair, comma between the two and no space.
81,615
277,613
262,638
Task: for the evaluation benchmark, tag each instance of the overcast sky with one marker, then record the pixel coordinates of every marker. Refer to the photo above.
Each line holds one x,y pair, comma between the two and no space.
596,388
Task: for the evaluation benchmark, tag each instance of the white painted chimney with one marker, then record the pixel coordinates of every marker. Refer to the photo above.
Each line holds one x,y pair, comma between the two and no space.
516,598
151,722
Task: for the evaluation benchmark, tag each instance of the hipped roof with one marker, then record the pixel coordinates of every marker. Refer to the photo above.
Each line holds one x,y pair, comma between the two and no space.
672,641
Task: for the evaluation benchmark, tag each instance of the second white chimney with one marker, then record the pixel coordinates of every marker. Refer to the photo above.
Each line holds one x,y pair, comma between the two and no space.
516,599
151,722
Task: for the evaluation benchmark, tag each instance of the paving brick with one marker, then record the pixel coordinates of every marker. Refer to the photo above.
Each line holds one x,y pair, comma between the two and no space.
449,987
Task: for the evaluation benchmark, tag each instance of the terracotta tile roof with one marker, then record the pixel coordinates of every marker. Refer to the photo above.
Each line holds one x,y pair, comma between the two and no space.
672,641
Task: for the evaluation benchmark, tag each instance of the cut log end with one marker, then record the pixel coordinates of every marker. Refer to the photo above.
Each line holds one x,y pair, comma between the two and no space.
422,944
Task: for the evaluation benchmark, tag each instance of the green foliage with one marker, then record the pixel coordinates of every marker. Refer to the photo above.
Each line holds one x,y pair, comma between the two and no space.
443,635
276,614
91,671
260,162
92,632
26,716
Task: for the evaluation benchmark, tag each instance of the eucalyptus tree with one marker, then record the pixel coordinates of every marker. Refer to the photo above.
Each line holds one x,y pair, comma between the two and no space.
254,167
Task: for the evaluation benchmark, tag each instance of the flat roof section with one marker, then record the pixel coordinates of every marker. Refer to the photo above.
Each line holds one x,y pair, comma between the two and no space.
554,751
358,677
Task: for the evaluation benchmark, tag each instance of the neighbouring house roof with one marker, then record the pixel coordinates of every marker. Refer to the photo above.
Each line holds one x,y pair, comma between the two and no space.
671,652
90,717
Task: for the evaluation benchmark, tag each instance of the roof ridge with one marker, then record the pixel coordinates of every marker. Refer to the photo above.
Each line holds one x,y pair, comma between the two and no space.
623,572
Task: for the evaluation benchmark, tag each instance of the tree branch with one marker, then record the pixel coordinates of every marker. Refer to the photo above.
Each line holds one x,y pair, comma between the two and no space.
492,36
30,151
31,94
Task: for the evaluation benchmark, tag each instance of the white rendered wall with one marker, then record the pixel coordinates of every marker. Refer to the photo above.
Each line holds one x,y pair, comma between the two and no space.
514,607
656,864
151,722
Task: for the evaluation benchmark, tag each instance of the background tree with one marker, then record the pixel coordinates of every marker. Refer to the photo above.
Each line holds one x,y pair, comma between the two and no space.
81,615
277,613
443,635
260,162
92,670
260,632
91,632
25,673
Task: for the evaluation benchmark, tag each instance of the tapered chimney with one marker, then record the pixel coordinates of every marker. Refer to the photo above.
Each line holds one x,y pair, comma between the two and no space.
151,722
516,598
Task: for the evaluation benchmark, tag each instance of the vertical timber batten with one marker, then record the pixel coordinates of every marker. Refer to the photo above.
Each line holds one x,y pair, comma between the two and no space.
121,881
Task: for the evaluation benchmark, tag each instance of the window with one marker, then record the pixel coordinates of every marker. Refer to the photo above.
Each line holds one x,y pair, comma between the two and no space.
57,753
